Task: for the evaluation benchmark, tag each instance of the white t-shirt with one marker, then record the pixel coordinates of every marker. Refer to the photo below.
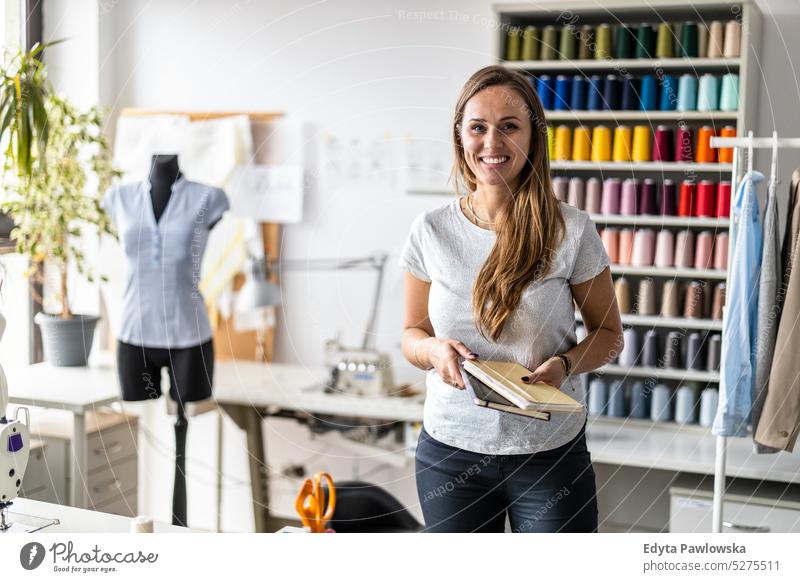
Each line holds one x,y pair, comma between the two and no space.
447,250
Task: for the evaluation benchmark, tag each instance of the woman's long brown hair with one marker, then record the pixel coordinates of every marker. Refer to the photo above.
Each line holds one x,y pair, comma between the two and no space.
531,226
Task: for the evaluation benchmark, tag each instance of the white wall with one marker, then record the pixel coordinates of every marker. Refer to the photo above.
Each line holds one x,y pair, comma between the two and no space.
347,69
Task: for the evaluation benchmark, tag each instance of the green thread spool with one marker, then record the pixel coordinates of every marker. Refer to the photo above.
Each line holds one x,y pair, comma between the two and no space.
513,44
603,45
626,38
664,41
586,42
530,44
645,42
551,141
689,40
549,49
566,48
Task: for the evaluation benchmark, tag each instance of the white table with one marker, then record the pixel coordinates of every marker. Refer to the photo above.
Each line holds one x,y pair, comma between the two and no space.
250,391
75,520
78,390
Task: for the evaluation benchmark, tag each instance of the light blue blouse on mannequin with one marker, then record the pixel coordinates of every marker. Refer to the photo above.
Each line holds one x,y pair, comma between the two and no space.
162,305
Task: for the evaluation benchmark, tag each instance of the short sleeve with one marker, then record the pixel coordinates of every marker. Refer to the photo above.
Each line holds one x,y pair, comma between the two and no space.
412,257
217,206
591,257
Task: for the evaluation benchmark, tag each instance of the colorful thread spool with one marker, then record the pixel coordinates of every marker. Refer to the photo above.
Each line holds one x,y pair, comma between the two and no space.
668,205
582,144
603,42
664,41
563,144
729,94
733,36
641,144
723,209
563,93
645,42
546,89
669,94
684,144
578,93
706,199
705,153
708,93
663,144
530,44
725,155
649,98
622,144
612,92
594,93
687,93
514,44
686,198
601,143
715,40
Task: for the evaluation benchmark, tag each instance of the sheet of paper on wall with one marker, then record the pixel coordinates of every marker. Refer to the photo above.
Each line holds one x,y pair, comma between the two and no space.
267,193
214,148
138,137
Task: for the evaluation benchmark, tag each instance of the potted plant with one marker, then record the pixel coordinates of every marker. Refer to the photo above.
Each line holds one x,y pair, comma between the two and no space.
54,200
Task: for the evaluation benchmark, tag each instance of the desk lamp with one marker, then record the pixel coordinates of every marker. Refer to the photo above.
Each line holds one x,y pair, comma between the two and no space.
363,370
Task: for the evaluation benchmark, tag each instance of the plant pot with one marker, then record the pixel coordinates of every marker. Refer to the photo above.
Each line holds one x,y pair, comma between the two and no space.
66,342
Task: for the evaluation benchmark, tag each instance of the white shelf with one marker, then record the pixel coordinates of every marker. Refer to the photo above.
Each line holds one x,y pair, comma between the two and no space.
613,65
580,115
641,166
672,272
661,373
653,220
668,322
644,423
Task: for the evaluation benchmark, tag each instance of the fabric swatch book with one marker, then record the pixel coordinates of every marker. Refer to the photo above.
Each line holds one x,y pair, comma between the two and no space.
505,379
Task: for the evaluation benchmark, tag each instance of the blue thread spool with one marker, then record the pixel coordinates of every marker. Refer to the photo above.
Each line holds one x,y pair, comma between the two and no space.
648,93
545,87
578,98
594,93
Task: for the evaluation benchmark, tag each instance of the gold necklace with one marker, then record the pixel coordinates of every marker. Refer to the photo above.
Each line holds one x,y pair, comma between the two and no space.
475,216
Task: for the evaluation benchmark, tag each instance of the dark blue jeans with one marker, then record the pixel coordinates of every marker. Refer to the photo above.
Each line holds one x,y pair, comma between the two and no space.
462,491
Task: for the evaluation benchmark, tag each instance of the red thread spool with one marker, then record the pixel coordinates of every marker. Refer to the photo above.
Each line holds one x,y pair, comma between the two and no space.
723,200
706,199
686,198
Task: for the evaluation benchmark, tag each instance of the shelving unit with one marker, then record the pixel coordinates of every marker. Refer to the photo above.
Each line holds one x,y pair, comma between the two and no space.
633,65
638,167
669,272
675,116
660,373
655,220
633,12
634,320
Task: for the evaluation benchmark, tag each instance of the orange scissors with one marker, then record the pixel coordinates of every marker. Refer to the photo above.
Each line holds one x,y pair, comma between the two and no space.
310,502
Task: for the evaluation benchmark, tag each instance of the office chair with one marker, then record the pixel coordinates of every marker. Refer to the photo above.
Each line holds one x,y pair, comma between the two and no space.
362,507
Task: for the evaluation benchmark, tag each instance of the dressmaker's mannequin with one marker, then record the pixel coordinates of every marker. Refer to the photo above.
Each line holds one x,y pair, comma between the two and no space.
163,224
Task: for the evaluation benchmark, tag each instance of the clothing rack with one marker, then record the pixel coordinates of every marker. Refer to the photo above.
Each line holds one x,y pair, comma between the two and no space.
748,144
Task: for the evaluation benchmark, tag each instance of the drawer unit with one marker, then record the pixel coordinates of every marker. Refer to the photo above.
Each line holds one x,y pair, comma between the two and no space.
112,458
750,507
110,446
109,483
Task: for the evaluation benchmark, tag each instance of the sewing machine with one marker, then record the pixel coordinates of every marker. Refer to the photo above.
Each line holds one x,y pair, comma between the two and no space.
358,371
14,447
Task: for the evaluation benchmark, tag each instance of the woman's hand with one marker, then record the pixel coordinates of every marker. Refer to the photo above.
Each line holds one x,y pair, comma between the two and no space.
444,354
550,372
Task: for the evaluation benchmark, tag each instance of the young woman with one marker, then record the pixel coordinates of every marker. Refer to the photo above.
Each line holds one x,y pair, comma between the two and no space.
494,274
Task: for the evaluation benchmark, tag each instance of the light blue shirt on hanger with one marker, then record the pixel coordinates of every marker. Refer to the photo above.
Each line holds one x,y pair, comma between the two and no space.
739,333
162,305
